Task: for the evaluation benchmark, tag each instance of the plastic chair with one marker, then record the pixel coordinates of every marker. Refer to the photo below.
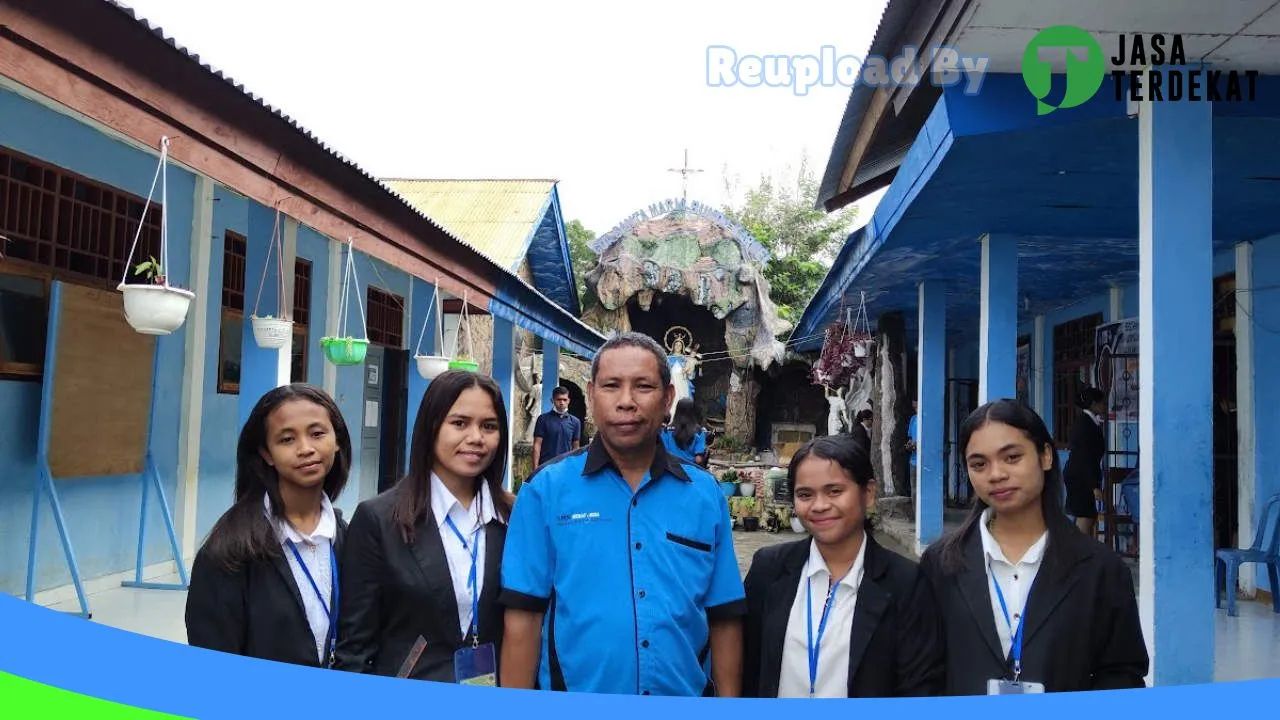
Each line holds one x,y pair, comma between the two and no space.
1265,551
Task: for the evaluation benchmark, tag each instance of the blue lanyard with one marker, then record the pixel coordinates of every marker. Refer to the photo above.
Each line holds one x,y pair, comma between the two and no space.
1015,645
332,636
816,648
474,547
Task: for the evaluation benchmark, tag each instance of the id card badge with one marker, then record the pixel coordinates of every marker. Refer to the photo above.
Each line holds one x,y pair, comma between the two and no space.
1007,687
476,665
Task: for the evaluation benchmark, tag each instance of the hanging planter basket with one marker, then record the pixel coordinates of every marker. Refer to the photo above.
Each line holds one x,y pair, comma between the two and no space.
346,349
848,346
154,307
431,366
271,332
467,360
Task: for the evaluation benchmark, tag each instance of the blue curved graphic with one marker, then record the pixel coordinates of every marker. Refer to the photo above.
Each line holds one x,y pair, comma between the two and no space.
83,657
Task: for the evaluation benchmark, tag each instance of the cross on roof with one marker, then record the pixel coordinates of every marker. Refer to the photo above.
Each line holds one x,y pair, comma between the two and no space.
685,172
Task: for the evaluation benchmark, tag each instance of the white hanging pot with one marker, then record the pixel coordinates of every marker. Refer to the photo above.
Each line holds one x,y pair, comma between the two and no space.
748,489
431,366
860,349
271,332
155,309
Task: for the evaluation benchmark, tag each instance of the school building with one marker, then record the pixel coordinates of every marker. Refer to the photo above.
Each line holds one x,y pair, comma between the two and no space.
252,216
1127,242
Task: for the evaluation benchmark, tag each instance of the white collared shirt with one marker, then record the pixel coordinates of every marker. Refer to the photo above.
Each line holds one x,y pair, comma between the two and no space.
1015,580
833,655
314,549
445,505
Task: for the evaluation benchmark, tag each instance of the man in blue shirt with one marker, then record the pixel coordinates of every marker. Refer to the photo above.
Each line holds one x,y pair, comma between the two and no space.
555,432
619,574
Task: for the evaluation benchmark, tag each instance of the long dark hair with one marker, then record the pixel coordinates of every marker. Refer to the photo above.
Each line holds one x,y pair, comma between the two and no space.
845,451
686,422
243,534
1017,415
415,489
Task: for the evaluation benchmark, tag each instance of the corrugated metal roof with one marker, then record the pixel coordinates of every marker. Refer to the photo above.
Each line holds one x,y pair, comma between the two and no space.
497,217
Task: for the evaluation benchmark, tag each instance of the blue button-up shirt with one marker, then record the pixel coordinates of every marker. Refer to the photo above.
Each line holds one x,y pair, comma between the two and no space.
628,581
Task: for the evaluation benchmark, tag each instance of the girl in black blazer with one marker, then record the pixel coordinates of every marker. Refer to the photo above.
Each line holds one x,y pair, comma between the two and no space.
1028,603
422,559
266,580
837,615
1083,472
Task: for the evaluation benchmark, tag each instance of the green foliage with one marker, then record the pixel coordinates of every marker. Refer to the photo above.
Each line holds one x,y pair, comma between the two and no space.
583,257
802,241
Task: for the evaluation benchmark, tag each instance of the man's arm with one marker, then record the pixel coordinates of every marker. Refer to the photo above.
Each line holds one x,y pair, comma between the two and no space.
537,450
726,605
521,641
726,656
527,564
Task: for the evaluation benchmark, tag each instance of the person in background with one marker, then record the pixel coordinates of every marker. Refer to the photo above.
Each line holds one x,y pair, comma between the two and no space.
620,576
686,438
1083,472
265,582
1028,604
556,432
423,558
861,430
913,439
875,634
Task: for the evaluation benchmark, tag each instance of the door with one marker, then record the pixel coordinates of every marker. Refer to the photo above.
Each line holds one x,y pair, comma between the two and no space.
395,402
371,423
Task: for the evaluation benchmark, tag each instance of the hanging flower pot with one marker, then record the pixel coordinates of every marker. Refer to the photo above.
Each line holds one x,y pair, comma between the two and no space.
155,309
344,351
271,332
464,364
862,346
431,366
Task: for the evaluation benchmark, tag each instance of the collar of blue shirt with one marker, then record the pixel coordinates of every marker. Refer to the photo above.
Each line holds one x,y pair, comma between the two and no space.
598,458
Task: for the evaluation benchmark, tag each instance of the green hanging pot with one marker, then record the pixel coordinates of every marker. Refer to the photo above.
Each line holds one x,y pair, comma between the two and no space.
468,365
344,351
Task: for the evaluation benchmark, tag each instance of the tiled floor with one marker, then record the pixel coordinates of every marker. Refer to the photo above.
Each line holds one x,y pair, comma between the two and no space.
1248,646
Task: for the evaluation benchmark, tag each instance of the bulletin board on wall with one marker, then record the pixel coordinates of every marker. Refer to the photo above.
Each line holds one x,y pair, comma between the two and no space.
100,400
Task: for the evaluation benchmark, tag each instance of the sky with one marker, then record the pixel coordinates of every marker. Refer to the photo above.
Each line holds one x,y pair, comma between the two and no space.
604,98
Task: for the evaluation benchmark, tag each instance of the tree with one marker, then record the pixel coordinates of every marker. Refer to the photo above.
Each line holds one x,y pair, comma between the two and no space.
802,241
582,256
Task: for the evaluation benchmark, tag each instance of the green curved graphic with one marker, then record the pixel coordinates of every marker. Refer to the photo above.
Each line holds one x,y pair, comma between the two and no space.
21,699
1085,66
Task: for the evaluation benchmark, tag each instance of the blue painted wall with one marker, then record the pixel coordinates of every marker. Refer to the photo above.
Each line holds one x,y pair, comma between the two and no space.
102,513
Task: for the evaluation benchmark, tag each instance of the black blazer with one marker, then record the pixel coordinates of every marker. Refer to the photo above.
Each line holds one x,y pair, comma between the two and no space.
393,592
1088,446
861,434
1082,628
895,646
257,612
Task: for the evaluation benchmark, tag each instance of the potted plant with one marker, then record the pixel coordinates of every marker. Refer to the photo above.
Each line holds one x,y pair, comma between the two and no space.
154,307
729,483
750,516
465,360
269,331
346,349
430,366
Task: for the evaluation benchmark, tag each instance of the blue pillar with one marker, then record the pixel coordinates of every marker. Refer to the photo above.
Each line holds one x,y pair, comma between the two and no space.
1175,232
931,414
421,311
998,335
504,368
261,369
550,372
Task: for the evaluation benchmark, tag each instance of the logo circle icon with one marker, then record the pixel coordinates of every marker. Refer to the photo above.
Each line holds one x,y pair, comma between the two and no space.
1085,66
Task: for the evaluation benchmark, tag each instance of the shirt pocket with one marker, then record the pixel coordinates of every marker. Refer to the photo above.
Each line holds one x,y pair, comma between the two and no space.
689,540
